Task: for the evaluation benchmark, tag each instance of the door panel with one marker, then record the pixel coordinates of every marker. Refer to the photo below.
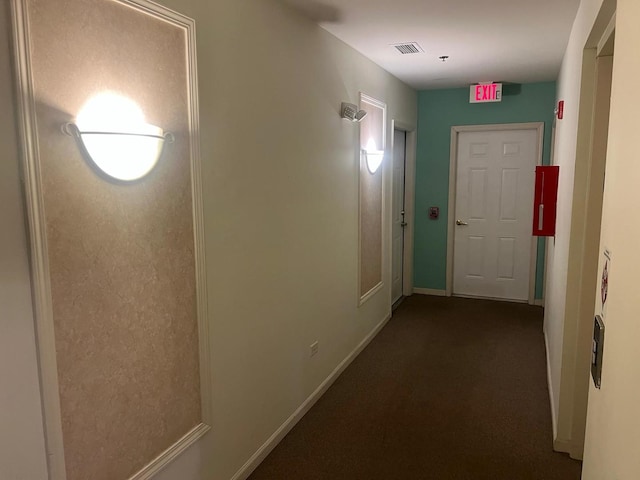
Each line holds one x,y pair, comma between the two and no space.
509,195
494,194
397,249
506,257
475,257
477,194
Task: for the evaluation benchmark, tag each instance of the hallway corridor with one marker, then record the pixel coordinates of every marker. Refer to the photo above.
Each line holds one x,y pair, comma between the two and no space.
451,389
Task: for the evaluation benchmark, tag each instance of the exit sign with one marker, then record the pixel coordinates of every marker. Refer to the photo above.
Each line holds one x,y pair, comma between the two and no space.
486,92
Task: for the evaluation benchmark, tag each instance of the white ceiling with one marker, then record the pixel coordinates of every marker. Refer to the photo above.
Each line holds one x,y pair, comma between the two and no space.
487,40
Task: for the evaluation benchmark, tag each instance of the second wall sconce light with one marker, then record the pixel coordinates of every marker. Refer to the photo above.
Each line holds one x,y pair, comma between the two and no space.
373,156
113,134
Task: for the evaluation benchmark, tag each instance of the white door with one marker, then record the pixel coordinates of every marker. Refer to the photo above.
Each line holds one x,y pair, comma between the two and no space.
493,213
399,149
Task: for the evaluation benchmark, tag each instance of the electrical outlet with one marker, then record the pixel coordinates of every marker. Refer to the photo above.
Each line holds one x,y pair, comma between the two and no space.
313,349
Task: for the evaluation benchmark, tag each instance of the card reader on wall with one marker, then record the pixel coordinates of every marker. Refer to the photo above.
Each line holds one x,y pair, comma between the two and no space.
596,350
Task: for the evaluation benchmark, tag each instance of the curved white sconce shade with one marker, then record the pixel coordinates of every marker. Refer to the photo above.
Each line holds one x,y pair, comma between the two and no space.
112,131
125,156
373,156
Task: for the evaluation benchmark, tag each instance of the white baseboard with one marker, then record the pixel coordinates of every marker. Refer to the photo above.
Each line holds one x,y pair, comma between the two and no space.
291,422
430,291
564,446
577,453
559,444
568,446
554,422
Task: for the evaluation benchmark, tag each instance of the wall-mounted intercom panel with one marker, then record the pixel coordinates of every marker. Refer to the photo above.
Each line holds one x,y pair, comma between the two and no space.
597,350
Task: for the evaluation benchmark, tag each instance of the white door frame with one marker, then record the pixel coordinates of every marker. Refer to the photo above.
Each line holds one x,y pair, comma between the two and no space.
409,200
453,172
584,246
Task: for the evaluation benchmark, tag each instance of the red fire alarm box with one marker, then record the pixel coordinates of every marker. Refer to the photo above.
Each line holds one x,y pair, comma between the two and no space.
545,200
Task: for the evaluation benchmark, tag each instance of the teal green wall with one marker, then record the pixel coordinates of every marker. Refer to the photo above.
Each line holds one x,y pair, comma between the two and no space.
438,111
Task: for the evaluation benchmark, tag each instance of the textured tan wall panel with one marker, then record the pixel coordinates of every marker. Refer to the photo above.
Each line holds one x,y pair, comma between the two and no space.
370,228
121,256
371,127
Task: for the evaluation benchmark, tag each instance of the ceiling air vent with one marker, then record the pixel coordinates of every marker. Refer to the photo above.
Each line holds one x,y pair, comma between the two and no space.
408,48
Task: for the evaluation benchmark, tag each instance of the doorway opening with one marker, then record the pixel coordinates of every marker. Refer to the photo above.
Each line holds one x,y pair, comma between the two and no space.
404,140
398,223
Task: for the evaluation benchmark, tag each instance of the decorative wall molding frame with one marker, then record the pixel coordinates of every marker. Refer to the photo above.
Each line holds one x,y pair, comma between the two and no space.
364,296
28,135
32,178
171,453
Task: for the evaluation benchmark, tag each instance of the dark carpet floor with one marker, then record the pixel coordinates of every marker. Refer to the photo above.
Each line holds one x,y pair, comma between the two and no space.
451,388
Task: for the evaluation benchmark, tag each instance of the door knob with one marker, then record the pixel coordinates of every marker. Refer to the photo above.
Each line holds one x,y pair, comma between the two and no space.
460,222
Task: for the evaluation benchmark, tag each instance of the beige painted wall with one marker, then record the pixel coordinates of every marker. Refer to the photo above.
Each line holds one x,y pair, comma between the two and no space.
613,422
22,448
561,335
280,175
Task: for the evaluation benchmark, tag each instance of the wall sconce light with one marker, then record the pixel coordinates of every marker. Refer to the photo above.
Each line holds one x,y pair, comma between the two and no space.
112,133
351,112
373,156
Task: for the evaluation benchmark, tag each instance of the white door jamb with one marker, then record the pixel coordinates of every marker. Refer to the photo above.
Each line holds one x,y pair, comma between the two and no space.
409,199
